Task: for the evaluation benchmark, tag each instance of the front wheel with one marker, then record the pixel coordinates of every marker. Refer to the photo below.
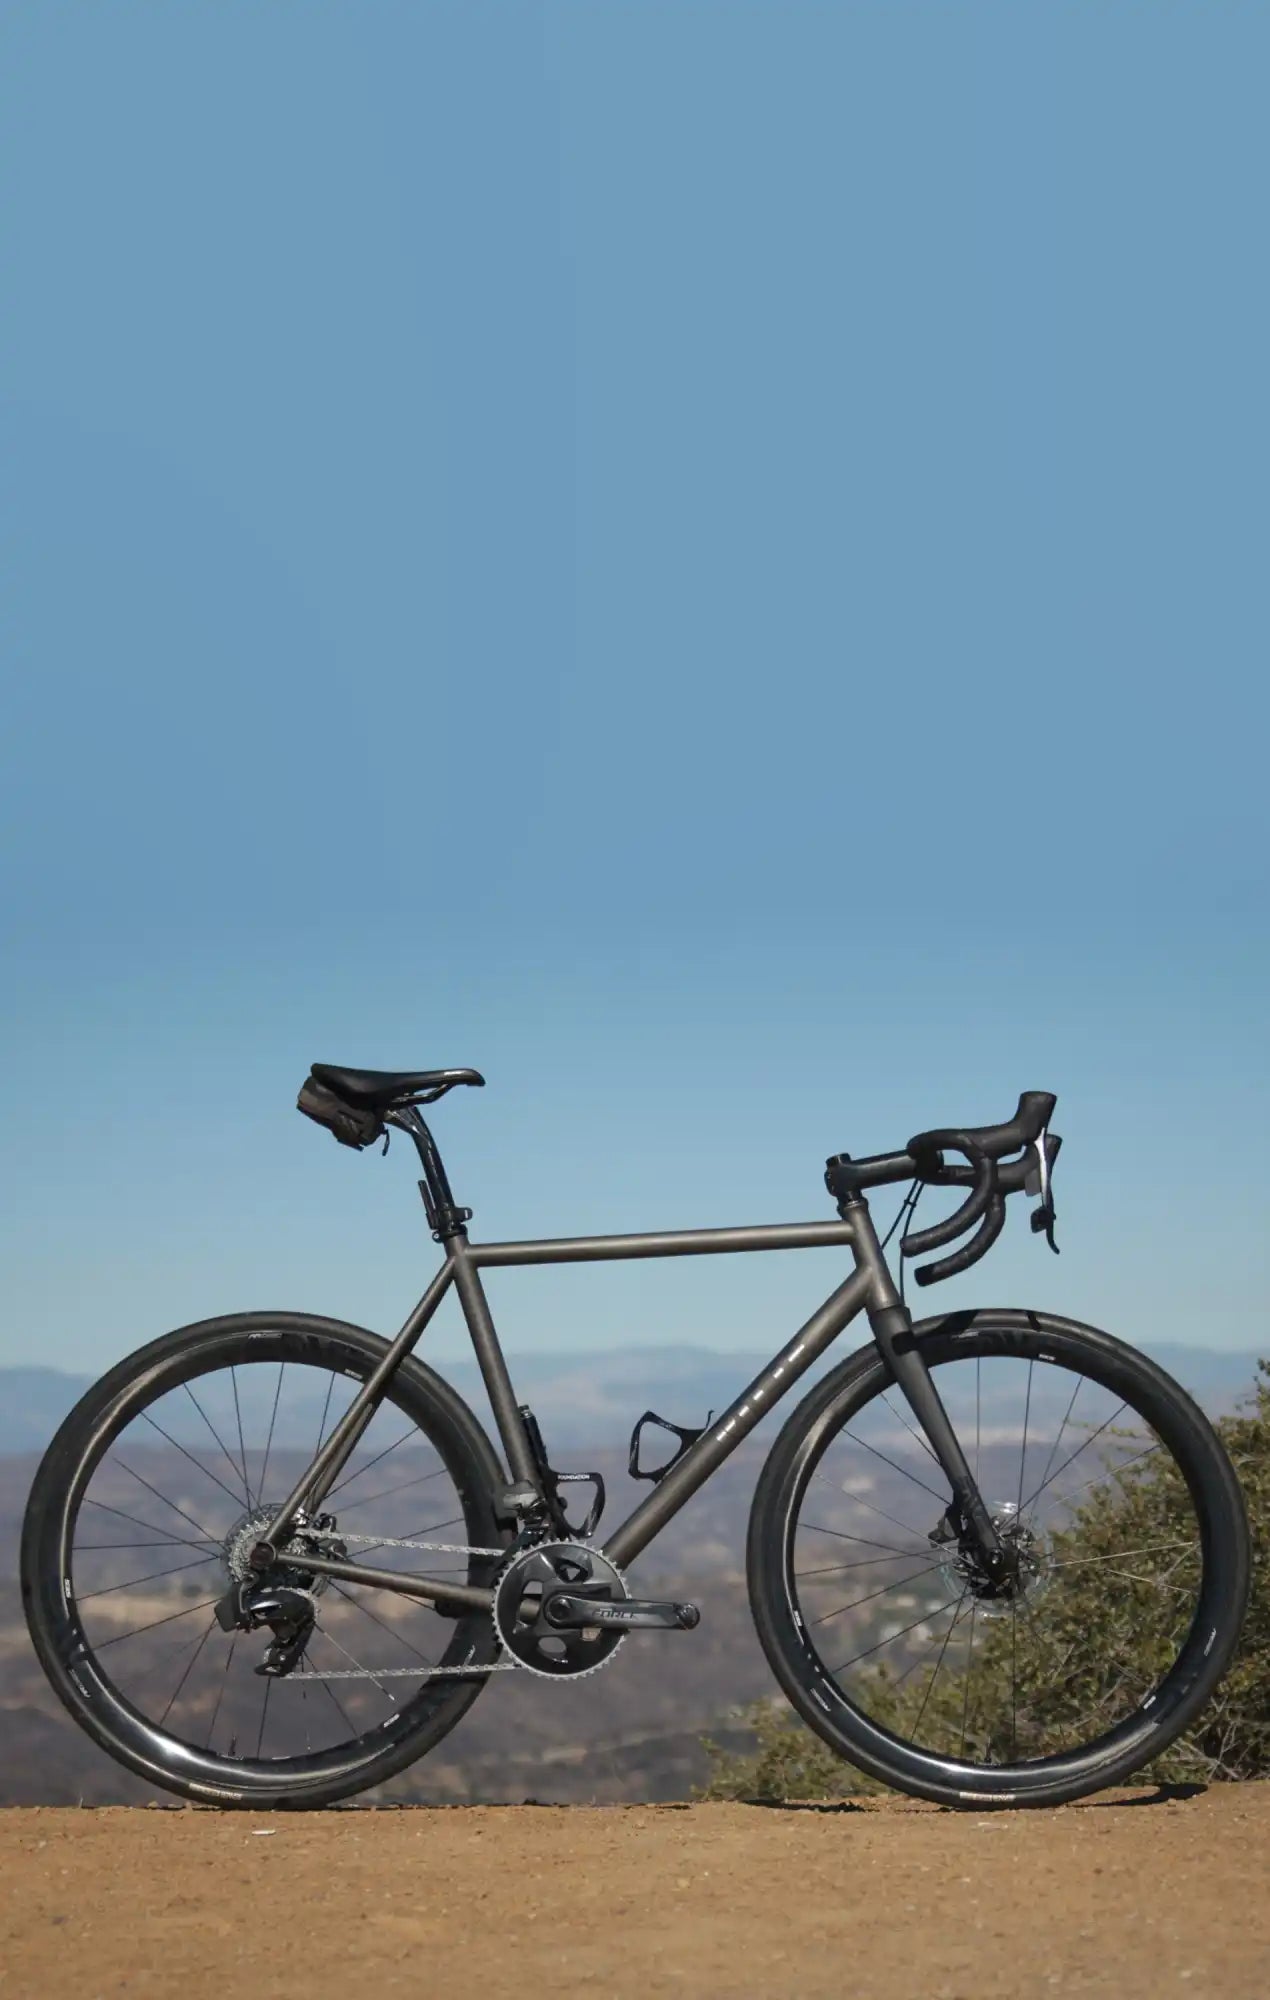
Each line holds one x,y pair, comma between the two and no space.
145,1510
1128,1581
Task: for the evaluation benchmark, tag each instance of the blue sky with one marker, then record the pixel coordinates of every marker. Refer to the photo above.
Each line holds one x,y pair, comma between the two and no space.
707,560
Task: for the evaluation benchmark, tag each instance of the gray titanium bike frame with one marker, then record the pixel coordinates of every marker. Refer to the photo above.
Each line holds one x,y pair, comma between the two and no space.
870,1288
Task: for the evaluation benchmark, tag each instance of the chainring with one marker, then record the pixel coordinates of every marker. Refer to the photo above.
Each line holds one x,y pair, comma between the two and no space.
519,1594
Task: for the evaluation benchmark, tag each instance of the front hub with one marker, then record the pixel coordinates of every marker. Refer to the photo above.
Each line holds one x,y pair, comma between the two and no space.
996,1589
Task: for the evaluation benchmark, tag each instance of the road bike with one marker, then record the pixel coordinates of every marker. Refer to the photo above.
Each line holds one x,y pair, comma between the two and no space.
997,1557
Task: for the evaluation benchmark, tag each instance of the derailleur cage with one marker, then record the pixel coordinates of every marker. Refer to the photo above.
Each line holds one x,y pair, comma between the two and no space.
289,1612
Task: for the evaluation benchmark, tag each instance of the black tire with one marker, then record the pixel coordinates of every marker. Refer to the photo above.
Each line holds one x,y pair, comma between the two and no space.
1200,1580
81,1462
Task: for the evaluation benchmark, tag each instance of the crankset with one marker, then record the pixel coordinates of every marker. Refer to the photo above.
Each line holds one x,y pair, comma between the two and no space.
562,1608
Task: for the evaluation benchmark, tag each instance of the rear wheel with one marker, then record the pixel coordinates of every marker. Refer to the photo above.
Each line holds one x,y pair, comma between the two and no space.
142,1516
1130,1565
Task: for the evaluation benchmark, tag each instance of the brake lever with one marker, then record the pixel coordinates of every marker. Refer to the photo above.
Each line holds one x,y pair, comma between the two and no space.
1039,1181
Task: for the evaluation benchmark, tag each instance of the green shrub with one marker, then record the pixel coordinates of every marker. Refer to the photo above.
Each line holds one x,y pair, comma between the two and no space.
1072,1667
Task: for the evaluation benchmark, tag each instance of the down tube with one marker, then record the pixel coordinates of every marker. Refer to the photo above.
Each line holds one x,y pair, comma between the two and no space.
709,1452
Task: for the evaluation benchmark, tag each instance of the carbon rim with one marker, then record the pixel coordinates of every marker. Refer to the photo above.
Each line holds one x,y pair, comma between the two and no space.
149,1497
892,1650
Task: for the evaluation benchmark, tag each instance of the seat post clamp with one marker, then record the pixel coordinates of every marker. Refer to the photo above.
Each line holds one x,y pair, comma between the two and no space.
445,1219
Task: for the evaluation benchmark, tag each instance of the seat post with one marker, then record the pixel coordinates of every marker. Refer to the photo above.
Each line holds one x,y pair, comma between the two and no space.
445,1218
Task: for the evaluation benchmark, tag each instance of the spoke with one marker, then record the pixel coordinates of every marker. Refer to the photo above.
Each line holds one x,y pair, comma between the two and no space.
811,1529
326,1407
328,1635
100,1645
1157,1582
82,1548
1027,1604
162,1498
1075,1455
219,1439
1114,1473
905,1527
165,1541
1118,1555
238,1415
369,1499
905,1629
135,1582
899,1584
415,1432
926,1651
895,1467
272,1421
220,1694
970,1664
349,1723
1014,1679
264,1709
909,1427
207,1474
175,1694
370,1547
1080,1383
939,1663
1027,1412
1058,1679
864,1562
384,1626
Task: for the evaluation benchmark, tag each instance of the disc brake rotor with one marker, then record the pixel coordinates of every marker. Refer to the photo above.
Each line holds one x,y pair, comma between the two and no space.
962,1573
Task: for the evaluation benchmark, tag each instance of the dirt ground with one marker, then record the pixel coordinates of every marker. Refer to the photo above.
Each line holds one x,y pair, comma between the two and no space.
1136,1895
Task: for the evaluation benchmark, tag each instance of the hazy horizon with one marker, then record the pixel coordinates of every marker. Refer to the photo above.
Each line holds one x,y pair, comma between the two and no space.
704,561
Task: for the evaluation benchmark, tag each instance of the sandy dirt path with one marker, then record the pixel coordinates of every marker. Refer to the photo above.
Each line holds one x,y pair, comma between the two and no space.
1136,1896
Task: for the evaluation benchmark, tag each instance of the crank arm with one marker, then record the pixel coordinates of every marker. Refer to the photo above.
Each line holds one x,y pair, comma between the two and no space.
570,1613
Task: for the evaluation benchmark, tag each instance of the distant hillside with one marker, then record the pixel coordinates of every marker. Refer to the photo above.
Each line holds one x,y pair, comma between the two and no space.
633,1732
594,1397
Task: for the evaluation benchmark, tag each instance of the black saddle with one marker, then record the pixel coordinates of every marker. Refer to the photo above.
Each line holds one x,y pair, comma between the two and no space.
353,1103
378,1089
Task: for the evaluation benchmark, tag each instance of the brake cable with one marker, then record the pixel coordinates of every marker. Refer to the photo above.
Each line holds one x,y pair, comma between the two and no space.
904,1215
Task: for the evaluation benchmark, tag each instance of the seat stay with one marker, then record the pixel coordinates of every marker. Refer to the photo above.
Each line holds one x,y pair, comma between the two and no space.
323,1470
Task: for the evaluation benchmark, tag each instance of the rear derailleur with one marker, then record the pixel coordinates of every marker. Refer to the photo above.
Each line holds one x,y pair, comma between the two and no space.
283,1600
289,1613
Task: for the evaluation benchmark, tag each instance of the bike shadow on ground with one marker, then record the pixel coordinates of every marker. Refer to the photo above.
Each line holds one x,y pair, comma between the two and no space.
1158,1795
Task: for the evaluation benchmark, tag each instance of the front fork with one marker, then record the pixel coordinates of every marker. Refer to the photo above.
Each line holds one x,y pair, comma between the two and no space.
892,1323
968,1519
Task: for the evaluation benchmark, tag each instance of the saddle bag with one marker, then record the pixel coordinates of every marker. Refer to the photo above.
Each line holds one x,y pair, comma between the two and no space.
352,1126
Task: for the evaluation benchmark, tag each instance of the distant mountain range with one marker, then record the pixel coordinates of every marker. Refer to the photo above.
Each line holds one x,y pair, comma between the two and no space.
633,1733
595,1397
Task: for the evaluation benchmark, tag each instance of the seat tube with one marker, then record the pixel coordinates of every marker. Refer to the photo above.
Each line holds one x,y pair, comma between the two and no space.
493,1366
892,1325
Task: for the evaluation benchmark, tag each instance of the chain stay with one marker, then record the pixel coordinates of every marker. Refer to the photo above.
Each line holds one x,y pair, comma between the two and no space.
404,1673
387,1542
399,1673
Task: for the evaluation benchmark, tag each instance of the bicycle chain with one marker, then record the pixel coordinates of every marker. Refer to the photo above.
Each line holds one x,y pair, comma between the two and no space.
387,1542
400,1673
